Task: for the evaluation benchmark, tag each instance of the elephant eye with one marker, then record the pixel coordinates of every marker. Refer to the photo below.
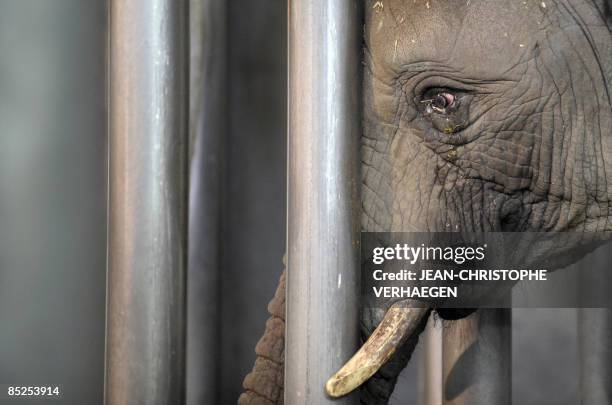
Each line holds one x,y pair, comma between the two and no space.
439,102
447,109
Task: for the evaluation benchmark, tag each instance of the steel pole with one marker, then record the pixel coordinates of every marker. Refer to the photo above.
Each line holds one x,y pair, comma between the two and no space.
595,335
478,359
323,202
147,237
431,380
595,332
207,124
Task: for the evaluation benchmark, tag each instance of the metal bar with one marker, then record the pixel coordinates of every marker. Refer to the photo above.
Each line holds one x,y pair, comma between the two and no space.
595,335
478,359
431,380
207,124
147,202
595,332
323,202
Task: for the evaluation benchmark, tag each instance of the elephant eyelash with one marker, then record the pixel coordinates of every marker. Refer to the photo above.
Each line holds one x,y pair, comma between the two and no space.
440,102
446,109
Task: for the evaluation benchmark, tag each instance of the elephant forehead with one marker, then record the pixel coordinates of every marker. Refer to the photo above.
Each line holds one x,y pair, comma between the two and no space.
481,38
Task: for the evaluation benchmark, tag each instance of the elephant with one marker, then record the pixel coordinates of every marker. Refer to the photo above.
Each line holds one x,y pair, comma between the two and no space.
478,115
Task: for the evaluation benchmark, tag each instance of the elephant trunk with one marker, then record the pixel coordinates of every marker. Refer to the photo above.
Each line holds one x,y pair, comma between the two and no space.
264,384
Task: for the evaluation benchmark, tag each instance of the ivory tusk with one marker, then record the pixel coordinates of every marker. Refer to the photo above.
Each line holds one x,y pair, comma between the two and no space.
397,325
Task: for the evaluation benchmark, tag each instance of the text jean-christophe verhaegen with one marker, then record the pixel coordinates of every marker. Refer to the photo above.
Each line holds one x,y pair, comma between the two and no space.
414,278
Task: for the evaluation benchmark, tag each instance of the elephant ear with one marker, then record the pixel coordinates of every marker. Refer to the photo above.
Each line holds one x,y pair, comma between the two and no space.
264,384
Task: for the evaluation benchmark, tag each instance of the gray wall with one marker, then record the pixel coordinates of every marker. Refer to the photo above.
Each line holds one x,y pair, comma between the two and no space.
53,195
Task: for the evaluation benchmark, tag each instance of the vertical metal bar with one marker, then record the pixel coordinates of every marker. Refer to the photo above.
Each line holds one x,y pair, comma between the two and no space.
207,129
595,331
147,202
595,335
431,380
323,202
478,360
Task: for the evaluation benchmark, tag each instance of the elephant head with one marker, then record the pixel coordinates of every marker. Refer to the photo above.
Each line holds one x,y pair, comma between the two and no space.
479,115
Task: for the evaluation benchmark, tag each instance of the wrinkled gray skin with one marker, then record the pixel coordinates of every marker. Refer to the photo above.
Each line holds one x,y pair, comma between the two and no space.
535,153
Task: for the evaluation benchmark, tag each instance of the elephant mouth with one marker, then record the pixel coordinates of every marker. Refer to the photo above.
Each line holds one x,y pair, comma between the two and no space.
398,324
